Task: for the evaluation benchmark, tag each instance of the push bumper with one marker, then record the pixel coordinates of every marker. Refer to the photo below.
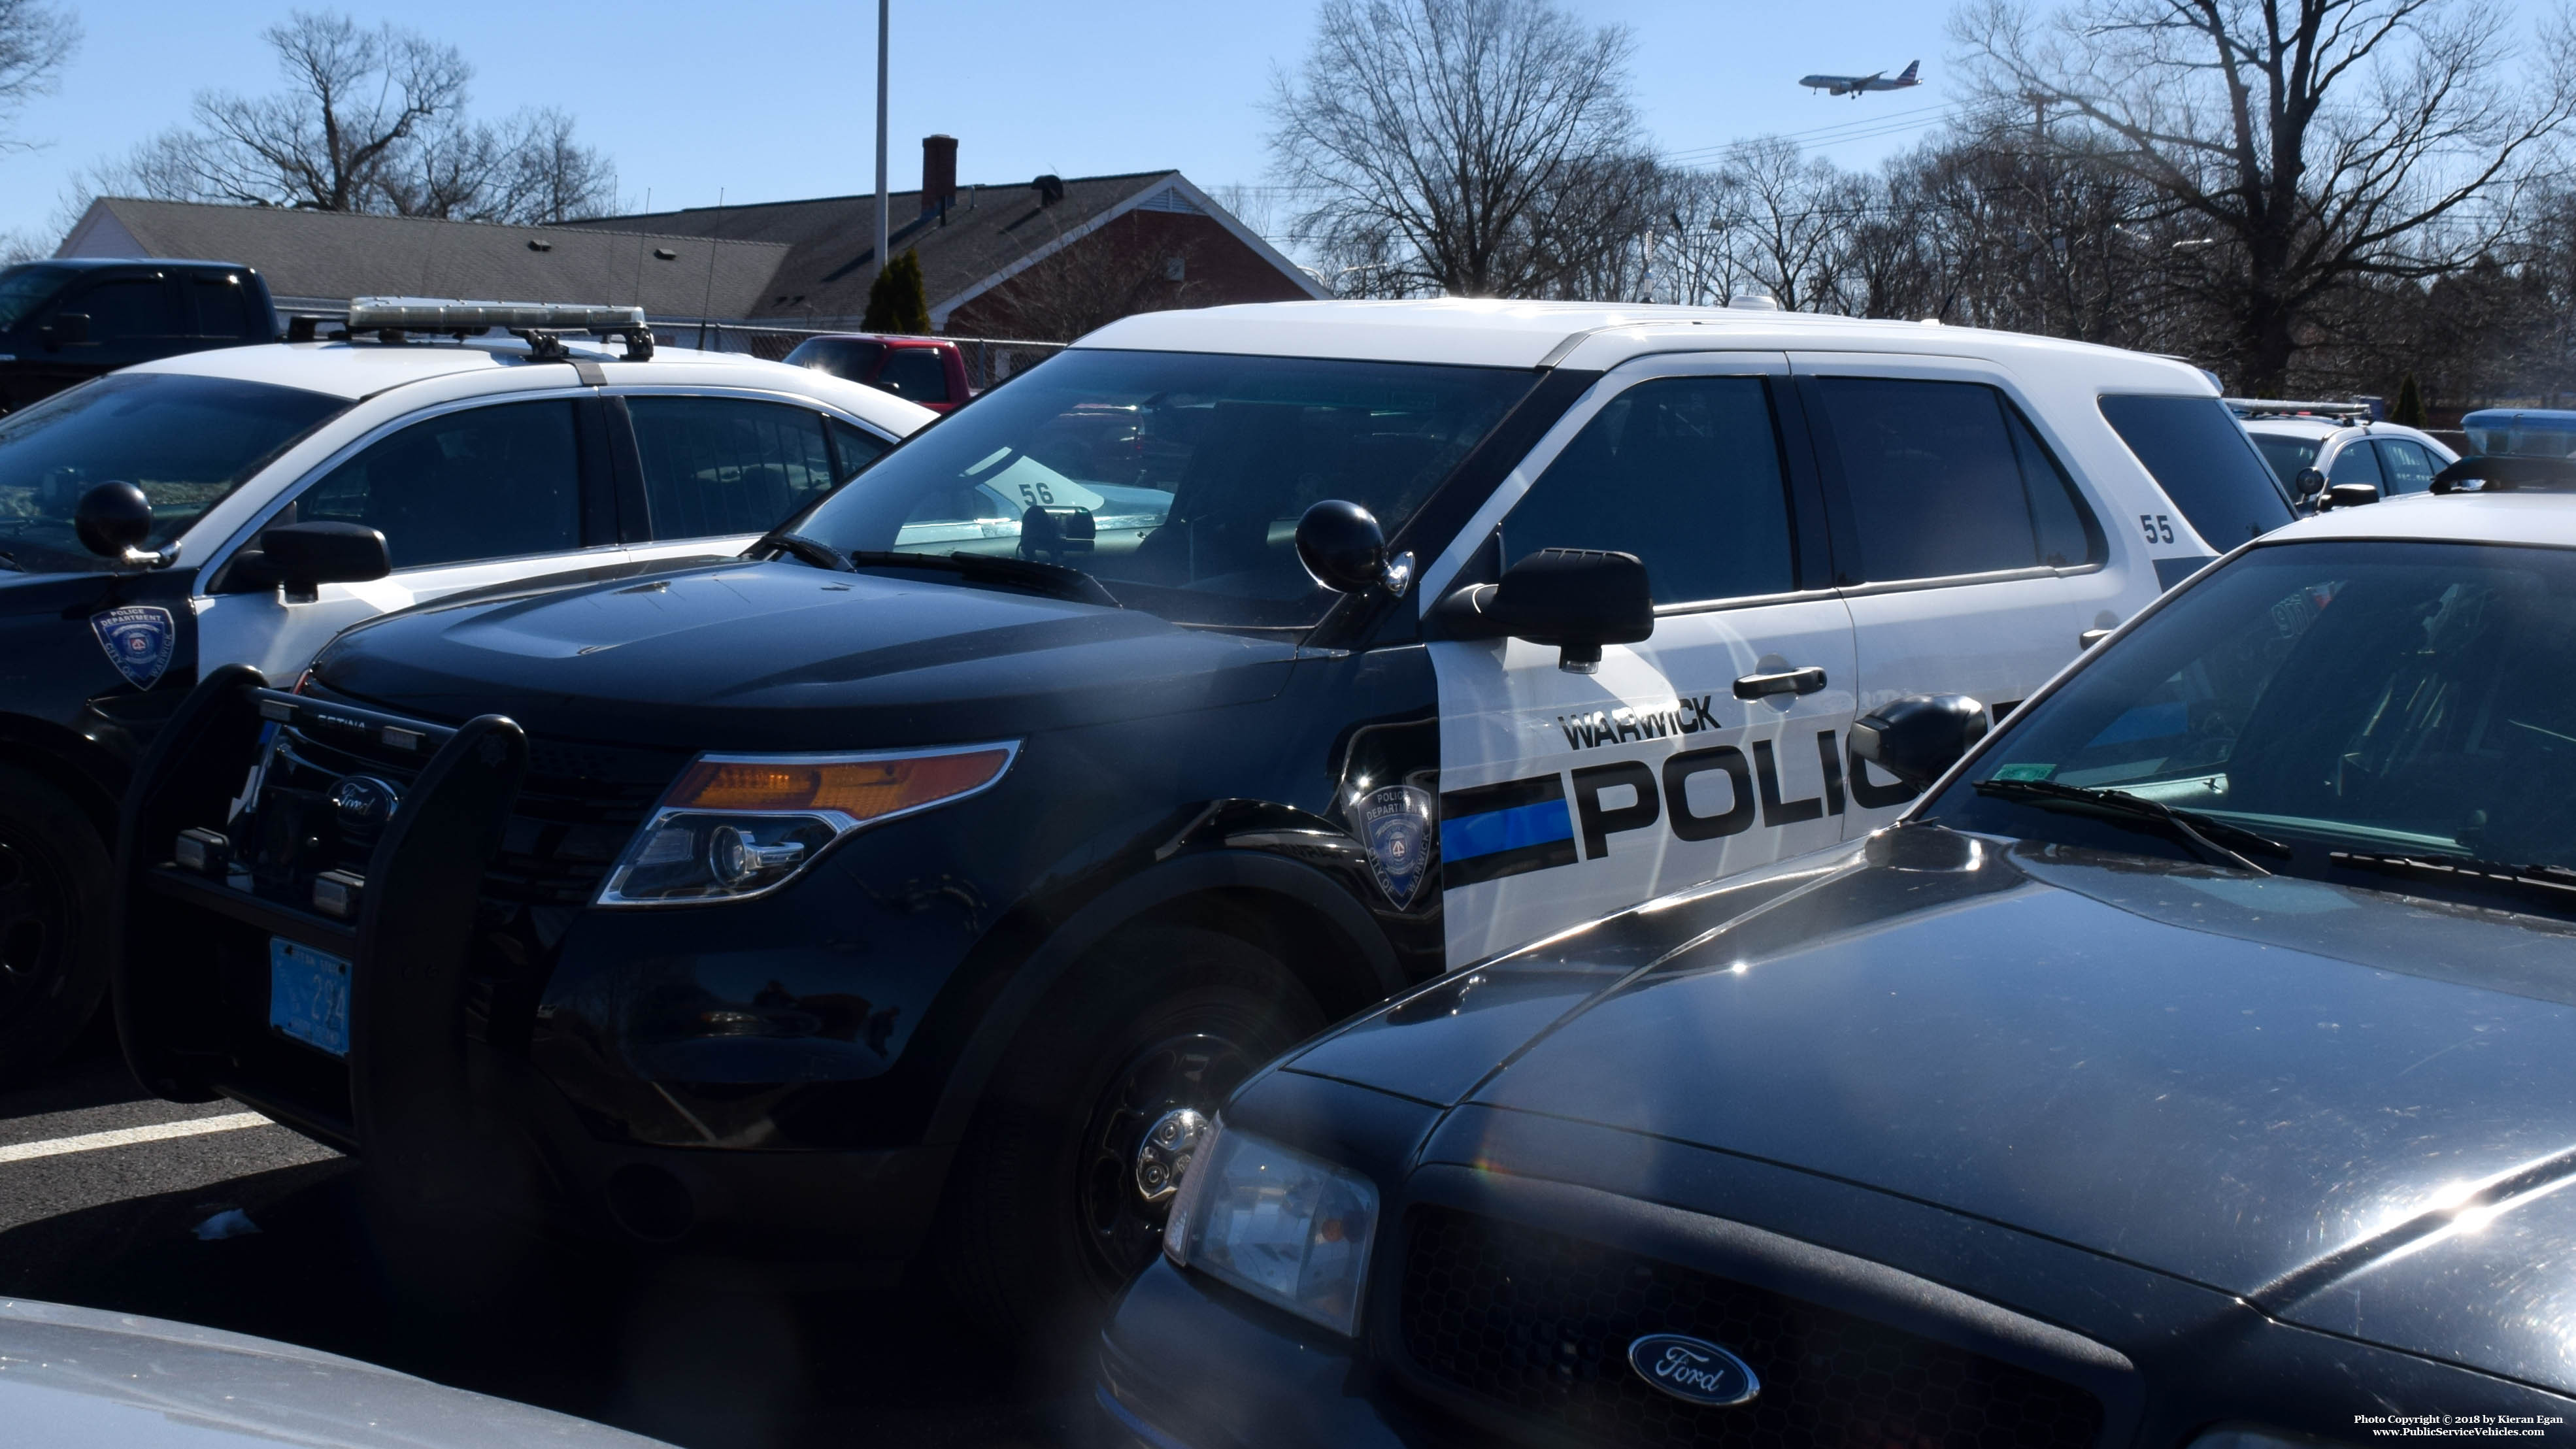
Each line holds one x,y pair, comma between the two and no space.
437,1090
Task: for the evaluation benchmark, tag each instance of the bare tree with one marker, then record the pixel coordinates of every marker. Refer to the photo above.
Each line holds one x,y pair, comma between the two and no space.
2319,143
1450,137
369,120
1112,271
35,41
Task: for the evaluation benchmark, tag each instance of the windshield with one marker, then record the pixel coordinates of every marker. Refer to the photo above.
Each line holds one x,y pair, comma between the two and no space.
2197,452
185,441
24,289
1188,471
2406,699
2286,455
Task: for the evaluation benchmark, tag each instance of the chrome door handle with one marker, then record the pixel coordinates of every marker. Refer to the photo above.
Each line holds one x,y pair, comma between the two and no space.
1787,681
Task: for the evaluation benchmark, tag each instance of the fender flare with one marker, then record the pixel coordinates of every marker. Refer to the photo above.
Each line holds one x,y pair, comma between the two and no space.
1159,885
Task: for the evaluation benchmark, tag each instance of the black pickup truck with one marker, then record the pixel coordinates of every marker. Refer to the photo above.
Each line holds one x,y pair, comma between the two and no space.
69,319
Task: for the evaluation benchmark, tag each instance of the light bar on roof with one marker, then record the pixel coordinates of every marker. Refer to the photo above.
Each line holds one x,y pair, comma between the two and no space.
440,314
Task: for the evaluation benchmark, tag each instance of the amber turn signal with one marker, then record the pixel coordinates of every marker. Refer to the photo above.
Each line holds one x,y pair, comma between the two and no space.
861,789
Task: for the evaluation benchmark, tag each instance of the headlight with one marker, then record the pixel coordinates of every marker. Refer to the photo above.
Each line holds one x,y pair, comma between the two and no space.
1284,1227
737,826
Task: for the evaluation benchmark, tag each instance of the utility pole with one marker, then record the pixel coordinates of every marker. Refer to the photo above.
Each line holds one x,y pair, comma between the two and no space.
884,7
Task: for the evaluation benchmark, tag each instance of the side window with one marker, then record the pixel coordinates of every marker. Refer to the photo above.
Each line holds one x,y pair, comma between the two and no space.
853,449
2409,468
1945,478
224,308
124,307
2357,463
917,373
489,482
719,465
2199,455
1683,472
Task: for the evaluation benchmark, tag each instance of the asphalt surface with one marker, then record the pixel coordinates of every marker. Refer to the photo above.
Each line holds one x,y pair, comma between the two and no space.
689,1352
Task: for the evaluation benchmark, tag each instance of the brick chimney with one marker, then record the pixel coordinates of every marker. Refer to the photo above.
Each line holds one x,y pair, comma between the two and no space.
938,173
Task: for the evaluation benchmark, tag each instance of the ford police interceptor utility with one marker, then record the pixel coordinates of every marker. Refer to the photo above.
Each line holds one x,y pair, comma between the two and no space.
244,505
1201,685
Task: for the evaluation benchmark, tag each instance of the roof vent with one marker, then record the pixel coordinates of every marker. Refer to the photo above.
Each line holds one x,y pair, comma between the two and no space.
1752,297
535,245
1050,189
666,254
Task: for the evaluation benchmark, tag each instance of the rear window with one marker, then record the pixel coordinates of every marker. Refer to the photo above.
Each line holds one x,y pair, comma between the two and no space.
844,357
2199,454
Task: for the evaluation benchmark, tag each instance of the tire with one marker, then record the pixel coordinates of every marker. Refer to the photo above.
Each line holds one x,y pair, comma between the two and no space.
1044,1222
54,873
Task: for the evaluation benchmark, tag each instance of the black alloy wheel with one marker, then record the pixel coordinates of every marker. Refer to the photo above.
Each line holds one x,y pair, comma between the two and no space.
1197,1070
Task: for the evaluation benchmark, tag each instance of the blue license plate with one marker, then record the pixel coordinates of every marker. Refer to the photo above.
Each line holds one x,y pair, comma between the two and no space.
308,995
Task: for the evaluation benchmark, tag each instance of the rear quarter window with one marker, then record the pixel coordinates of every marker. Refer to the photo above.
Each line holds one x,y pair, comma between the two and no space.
2200,456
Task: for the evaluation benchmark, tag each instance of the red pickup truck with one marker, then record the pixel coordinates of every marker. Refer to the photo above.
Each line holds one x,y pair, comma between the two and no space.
930,371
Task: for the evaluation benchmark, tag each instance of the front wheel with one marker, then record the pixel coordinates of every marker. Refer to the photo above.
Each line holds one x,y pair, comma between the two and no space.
1047,1216
53,920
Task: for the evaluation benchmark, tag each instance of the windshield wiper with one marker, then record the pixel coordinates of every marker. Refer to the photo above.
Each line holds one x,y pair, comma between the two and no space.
2213,838
806,550
10,560
2553,883
1056,579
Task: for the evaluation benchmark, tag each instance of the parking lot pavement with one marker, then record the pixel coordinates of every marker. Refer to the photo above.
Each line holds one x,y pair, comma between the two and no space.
104,1191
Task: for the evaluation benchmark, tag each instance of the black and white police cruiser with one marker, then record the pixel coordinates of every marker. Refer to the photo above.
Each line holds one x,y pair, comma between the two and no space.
244,505
1216,678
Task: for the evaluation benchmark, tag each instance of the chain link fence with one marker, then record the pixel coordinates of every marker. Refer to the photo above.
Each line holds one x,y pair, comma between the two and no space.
989,360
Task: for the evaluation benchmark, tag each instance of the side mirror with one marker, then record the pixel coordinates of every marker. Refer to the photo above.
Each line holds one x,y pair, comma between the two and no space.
1919,736
68,329
1342,546
301,555
2309,482
1577,599
112,519
2348,495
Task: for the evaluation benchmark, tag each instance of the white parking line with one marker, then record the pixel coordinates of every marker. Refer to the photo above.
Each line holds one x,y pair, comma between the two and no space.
129,1136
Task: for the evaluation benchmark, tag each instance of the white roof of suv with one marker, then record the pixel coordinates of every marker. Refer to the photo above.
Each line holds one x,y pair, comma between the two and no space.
1497,333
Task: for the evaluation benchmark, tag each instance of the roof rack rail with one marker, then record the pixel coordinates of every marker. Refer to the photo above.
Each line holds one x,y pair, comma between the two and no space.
2252,407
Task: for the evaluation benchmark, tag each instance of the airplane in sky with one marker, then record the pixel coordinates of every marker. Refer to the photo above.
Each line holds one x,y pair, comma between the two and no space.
1856,86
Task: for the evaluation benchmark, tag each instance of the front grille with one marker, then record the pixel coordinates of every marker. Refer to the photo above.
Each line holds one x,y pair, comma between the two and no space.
577,807
1540,1324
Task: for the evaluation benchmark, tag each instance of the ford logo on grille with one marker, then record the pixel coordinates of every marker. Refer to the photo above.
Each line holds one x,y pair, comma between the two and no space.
364,800
1692,1369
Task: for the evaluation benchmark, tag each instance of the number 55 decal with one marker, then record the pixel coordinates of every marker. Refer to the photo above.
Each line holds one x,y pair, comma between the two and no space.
2157,526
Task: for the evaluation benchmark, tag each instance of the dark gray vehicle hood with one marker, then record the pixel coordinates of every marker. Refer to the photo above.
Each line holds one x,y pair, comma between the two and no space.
784,656
2351,1108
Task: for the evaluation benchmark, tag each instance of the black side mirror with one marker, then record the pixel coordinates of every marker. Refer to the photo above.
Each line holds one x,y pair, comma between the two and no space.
112,519
2348,495
1577,599
1342,546
68,329
301,555
1919,736
2309,482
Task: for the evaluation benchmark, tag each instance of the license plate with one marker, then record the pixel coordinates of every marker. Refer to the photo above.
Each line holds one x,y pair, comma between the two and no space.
308,995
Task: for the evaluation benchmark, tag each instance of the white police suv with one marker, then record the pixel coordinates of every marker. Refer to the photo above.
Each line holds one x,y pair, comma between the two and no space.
246,504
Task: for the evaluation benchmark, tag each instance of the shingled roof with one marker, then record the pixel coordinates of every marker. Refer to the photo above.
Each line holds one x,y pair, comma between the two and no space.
988,234
320,259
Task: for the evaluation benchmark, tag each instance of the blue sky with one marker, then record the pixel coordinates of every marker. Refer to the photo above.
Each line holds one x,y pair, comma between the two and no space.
763,101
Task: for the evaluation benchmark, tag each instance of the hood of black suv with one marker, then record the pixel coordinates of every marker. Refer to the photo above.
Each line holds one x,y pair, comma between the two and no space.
780,655
2351,1108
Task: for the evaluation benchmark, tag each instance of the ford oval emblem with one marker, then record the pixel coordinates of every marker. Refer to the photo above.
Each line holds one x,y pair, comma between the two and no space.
1693,1369
364,800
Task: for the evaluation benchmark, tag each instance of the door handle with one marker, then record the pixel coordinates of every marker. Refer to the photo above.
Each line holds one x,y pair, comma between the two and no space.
1787,681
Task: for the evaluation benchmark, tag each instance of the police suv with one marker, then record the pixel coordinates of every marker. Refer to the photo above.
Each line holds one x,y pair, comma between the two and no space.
244,505
1202,685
